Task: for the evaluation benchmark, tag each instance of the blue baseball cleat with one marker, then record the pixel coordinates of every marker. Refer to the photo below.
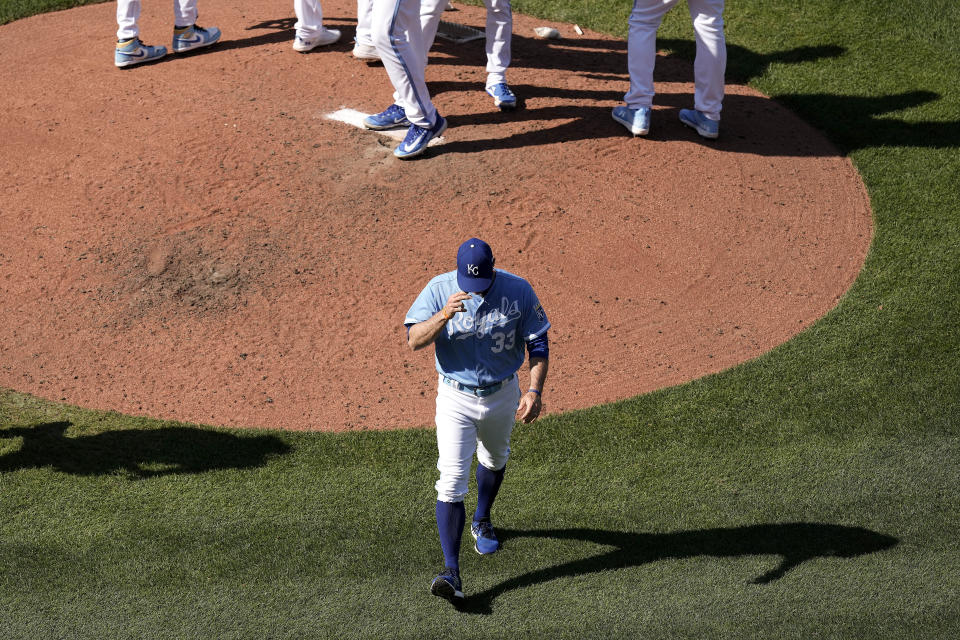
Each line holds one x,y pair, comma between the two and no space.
637,121
417,139
483,533
193,37
705,126
502,96
447,585
131,52
393,117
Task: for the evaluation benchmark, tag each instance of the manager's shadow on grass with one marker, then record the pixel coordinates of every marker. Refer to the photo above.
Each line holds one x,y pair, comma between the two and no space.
143,453
794,542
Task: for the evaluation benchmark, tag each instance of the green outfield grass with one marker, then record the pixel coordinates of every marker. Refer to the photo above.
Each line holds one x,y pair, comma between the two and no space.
11,10
813,492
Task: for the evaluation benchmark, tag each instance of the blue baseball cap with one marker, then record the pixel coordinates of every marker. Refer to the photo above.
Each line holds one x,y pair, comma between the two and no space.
474,266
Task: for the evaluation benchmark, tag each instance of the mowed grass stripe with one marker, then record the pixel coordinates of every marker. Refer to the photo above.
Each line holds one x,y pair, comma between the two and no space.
653,517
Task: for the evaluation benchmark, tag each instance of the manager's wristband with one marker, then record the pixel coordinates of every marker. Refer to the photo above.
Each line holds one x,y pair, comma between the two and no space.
535,391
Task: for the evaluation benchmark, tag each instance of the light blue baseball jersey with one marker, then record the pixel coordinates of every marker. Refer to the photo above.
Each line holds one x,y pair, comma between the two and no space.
486,343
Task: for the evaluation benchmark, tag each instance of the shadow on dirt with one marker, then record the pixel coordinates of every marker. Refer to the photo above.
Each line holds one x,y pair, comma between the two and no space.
794,542
139,452
853,122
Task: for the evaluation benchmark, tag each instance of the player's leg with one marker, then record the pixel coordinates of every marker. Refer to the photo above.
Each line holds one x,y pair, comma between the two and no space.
499,37
399,39
709,67
184,12
493,450
129,50
381,22
456,443
128,13
645,19
187,35
430,13
310,32
364,48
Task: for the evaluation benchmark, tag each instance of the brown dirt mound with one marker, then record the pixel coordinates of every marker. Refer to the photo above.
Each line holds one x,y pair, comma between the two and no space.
193,240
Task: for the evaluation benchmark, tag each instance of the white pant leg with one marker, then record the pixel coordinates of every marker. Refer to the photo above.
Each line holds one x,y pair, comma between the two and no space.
495,426
184,12
499,32
128,12
645,19
364,22
398,36
710,64
431,11
309,17
456,442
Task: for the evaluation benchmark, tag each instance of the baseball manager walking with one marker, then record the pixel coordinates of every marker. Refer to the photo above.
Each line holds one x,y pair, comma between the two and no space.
480,320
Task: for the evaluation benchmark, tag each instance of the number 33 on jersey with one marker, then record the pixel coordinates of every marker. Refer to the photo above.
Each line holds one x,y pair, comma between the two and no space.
486,342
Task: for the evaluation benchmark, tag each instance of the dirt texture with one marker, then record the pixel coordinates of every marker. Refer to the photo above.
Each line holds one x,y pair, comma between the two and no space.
194,240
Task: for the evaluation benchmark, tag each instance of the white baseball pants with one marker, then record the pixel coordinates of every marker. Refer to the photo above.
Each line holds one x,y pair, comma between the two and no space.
709,65
468,424
365,22
128,12
398,36
309,17
499,34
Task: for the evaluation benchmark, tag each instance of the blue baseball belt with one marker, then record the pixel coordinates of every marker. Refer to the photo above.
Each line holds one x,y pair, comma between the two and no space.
480,392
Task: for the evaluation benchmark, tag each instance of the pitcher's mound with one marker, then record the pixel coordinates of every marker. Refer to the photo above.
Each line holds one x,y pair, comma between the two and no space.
195,240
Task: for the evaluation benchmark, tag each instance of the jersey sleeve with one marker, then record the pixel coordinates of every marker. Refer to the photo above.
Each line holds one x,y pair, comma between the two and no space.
424,306
535,322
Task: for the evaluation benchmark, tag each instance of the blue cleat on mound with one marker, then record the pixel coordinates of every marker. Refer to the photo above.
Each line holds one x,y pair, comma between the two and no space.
486,538
447,585
193,37
705,126
393,117
131,52
637,121
502,96
417,139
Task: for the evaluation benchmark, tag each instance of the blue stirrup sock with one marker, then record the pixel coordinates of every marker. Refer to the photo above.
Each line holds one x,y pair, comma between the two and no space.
451,517
488,484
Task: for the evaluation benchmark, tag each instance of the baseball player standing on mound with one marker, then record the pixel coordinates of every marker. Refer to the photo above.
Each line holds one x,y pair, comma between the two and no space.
480,321
499,37
410,44
398,37
709,66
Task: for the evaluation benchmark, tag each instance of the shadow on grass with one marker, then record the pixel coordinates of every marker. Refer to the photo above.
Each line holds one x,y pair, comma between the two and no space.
143,453
859,122
744,65
794,542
